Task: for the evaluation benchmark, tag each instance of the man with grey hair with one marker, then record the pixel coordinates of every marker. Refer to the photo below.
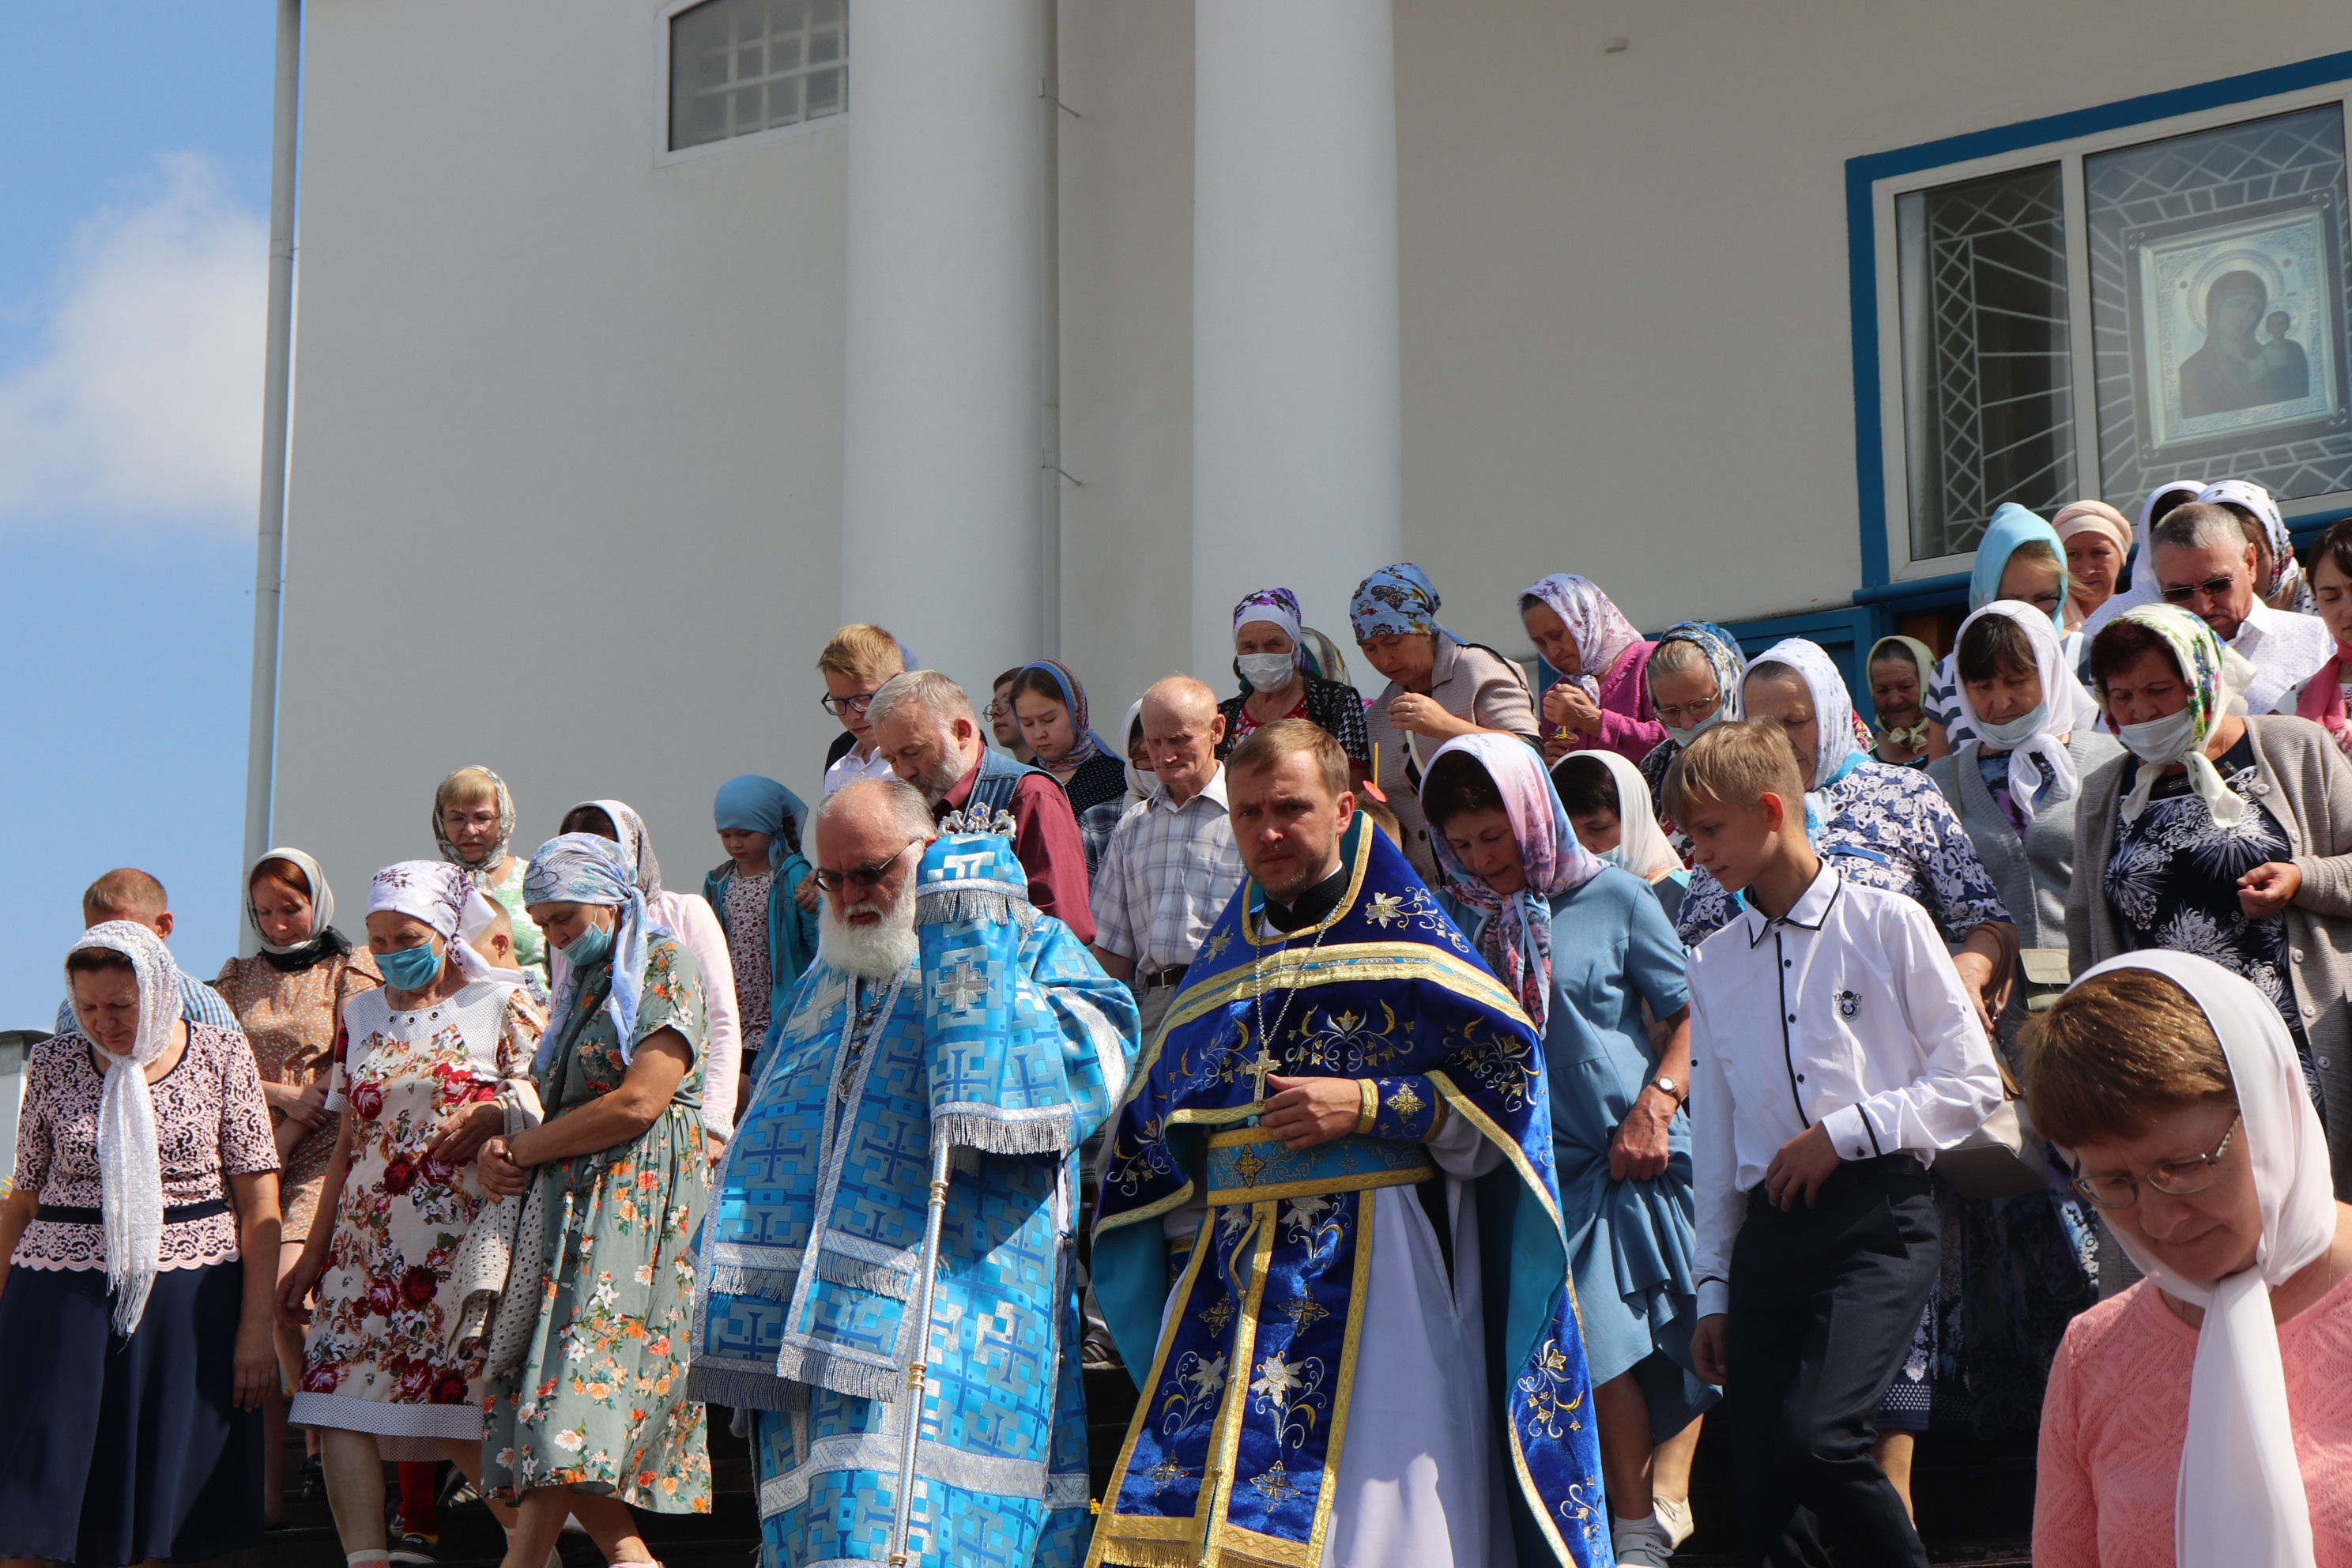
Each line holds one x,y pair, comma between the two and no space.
925,725
2205,565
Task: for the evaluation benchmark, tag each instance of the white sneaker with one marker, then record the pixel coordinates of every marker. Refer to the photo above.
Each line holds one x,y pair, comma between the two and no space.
1640,1545
1674,1513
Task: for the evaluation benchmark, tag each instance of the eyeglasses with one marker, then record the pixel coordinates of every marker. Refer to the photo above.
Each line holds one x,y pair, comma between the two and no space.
862,876
2212,588
2174,1178
2048,602
838,706
999,710
1682,715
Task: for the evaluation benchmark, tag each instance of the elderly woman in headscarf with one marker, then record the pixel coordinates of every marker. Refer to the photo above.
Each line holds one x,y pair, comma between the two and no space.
138,1339
289,998
2021,557
1052,709
2142,589
693,920
1280,680
1692,676
2223,836
426,1061
593,1418
1601,699
1439,688
2279,580
473,823
1898,671
1584,946
2098,541
2199,1418
770,938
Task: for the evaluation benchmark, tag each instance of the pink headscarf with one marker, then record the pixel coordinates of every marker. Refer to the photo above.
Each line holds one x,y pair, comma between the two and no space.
1599,629
1515,940
2092,517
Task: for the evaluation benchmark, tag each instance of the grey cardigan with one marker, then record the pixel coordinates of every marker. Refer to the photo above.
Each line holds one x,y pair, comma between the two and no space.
2032,870
2306,784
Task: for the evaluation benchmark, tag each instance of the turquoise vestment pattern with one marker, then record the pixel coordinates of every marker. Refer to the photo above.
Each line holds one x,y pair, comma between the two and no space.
1245,1404
1007,1041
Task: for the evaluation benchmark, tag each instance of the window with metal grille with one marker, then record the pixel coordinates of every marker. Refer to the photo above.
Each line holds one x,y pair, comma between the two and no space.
1987,390
736,67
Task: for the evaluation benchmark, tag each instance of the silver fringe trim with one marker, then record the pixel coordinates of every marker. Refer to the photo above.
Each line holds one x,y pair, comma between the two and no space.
995,903
881,1279
737,1385
995,1134
860,1380
767,1284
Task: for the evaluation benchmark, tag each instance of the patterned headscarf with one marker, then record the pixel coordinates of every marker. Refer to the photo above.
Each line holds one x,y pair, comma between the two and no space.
1394,601
444,896
129,1154
322,905
498,849
2065,707
1837,753
585,868
1515,940
2215,677
1721,651
1599,628
2286,572
1089,745
1923,659
1322,657
2011,529
1277,606
2091,517
752,802
636,845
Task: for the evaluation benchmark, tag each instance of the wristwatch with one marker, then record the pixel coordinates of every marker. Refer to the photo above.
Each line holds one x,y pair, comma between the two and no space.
1671,1090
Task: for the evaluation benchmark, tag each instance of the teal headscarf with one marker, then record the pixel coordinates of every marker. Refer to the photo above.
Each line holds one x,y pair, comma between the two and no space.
2011,527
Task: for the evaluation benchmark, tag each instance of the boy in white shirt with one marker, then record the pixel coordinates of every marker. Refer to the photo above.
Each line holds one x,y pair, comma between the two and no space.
1834,1048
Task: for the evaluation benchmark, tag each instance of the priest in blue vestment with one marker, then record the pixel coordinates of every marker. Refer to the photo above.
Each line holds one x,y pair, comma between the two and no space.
942,1010
1329,1237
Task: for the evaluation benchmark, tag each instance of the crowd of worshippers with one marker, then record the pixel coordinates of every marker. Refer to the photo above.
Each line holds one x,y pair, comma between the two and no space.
1438,1102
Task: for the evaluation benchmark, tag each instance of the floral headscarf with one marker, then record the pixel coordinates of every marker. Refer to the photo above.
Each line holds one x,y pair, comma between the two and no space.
1394,601
636,845
1277,606
497,850
1923,659
1721,651
1599,628
1515,940
444,896
2214,676
1089,745
586,869
129,1154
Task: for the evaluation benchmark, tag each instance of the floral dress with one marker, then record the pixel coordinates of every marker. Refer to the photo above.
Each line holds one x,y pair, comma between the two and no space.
600,1400
290,1018
378,1358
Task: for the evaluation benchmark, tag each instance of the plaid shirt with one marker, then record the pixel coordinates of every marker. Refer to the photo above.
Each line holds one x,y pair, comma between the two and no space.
199,1004
1166,876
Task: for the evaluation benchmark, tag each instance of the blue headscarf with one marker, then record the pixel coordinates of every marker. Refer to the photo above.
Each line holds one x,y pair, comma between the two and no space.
751,803
1086,745
1396,599
583,868
1721,651
2011,527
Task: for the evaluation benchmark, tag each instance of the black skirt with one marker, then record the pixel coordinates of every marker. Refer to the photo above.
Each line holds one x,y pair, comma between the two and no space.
113,1450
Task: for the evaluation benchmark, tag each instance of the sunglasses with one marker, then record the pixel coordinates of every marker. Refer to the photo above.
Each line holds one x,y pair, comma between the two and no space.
2212,588
862,876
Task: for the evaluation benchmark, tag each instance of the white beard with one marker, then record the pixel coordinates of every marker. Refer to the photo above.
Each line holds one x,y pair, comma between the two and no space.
878,952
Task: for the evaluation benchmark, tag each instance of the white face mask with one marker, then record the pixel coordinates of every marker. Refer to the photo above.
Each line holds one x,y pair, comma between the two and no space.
2016,731
1269,671
1685,737
2161,740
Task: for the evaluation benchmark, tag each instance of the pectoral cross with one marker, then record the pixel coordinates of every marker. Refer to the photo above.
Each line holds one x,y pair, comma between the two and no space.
1257,1067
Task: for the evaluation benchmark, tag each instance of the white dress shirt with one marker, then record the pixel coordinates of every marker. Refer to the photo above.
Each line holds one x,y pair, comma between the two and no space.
1845,1011
849,768
2286,649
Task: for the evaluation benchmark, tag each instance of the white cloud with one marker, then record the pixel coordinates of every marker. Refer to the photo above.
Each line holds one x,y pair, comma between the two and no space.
144,402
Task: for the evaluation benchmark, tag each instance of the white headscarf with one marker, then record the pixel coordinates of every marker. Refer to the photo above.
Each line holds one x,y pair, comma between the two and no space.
130,1156
2143,589
1140,784
2065,707
2287,573
1836,754
444,896
1641,847
2240,1495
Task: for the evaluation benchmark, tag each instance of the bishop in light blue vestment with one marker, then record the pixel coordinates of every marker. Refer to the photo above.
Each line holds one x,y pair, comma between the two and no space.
1005,1040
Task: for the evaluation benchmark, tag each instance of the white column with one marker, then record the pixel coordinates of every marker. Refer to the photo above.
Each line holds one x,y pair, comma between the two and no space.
940,450
1295,360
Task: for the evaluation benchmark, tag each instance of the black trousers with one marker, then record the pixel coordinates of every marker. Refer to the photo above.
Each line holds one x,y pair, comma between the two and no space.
1824,1303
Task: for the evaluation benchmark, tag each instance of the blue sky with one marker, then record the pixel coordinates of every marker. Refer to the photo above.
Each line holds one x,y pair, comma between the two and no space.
134,192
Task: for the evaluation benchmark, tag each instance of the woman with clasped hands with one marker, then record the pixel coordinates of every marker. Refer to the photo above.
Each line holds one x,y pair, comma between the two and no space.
2200,1417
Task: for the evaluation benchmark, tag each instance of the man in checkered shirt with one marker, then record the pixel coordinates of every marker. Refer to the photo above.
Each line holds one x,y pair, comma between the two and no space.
1171,866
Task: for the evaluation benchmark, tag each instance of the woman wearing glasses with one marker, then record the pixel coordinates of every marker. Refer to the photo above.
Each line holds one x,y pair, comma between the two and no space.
1693,673
2199,1417
473,819
2222,836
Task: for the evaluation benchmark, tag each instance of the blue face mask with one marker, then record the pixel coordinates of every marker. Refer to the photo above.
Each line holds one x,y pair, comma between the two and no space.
591,946
410,969
2016,733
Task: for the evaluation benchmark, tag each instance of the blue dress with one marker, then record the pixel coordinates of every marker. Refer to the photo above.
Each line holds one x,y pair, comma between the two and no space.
1630,1243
